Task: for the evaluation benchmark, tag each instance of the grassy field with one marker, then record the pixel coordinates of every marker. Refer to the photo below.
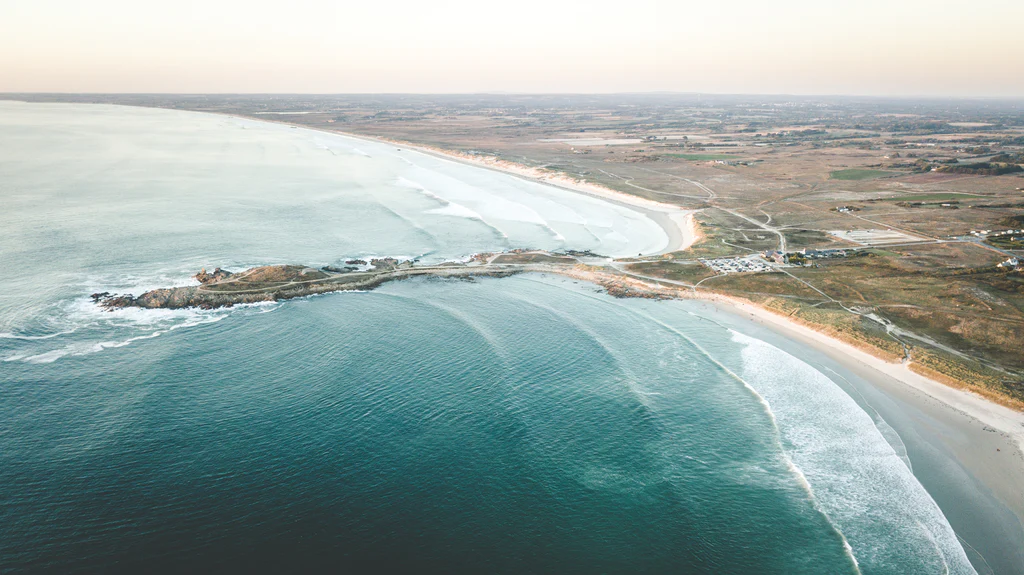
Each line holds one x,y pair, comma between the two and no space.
796,239
701,157
859,174
940,197
689,272
1007,242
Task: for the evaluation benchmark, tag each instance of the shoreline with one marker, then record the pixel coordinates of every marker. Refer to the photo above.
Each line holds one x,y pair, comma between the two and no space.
967,411
988,425
677,222
1009,424
967,451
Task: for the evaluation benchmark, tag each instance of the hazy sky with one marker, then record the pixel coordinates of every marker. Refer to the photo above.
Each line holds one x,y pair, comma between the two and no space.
904,47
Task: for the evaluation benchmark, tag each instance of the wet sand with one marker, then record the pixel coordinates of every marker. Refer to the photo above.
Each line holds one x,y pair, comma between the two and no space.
965,450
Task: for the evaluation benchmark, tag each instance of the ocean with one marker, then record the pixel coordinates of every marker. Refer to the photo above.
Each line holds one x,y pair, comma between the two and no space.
525,424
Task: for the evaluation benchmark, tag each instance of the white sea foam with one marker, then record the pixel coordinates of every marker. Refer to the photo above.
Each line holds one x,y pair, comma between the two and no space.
8,335
448,207
80,348
85,327
858,479
884,428
500,200
457,210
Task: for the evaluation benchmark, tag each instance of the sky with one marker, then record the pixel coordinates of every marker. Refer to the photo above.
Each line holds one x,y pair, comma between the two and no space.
865,47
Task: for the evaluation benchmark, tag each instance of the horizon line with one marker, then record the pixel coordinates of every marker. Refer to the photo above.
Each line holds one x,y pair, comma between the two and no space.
1015,98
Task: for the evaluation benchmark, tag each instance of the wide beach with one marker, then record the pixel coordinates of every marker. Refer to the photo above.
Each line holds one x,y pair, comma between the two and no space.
965,450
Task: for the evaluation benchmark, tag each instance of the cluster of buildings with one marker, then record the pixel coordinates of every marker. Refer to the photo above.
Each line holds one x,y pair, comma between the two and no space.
803,255
987,233
813,254
737,265
1010,263
769,260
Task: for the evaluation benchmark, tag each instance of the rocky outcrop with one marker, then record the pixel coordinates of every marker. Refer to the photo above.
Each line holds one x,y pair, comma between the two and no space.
217,275
273,283
386,264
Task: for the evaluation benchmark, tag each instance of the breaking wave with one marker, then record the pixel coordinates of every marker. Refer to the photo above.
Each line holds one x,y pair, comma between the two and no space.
862,485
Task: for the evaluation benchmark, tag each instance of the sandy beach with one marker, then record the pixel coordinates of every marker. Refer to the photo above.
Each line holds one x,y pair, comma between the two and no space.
967,451
1004,468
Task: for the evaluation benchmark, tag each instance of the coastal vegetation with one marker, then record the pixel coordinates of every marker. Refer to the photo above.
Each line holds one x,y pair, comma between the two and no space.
981,169
852,174
701,157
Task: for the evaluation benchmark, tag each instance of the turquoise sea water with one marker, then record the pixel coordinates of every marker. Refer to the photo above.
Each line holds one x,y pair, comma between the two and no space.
527,424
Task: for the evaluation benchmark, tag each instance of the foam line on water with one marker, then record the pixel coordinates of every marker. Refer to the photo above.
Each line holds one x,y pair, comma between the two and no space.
8,335
489,338
890,434
86,348
450,208
631,378
862,484
503,207
416,226
884,428
792,466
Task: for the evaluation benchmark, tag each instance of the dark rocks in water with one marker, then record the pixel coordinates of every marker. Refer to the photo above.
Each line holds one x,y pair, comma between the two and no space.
582,254
217,275
337,270
355,262
386,264
114,301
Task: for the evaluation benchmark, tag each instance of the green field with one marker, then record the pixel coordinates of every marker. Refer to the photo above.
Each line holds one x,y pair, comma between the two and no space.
1006,242
939,197
860,174
702,157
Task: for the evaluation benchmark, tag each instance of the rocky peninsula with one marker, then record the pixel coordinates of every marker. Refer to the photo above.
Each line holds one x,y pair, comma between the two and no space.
221,288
